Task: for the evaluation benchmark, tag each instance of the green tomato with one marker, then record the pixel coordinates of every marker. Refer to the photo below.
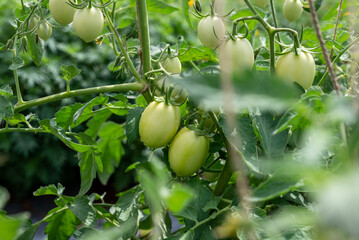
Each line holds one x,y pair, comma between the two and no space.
188,151
292,10
172,65
179,95
237,52
62,12
211,31
262,3
44,30
293,68
159,124
33,21
88,23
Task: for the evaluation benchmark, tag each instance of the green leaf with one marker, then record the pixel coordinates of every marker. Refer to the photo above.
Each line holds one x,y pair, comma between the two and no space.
273,144
132,123
52,127
82,233
88,168
6,108
275,186
110,144
178,197
185,12
160,7
9,227
68,72
95,123
62,226
317,5
17,62
36,48
86,111
6,90
197,54
84,211
16,119
29,233
50,190
64,117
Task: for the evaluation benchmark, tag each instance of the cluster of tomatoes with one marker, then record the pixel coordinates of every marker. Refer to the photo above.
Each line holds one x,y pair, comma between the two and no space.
293,65
88,21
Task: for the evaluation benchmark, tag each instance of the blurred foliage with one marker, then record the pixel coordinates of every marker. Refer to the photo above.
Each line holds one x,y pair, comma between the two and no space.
299,148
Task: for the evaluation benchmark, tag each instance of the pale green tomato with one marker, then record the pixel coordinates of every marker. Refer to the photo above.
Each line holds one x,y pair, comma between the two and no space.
62,12
159,124
262,3
44,30
292,10
172,65
299,69
238,53
211,31
33,22
187,153
88,23
179,95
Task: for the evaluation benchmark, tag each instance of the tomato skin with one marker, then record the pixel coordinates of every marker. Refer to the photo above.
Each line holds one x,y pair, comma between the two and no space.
262,3
292,10
88,23
300,69
62,12
211,31
172,65
159,124
44,30
187,152
238,52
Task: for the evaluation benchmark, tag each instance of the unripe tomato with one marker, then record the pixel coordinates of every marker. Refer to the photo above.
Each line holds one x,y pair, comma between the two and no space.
44,30
179,95
187,152
292,10
211,31
237,52
88,23
33,22
172,65
159,124
62,12
262,3
293,68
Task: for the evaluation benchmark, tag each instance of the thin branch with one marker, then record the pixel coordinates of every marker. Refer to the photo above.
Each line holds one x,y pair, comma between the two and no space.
324,49
336,26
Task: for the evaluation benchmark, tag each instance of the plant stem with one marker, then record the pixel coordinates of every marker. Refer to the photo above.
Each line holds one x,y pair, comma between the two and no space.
122,46
81,92
24,130
145,34
51,215
275,21
223,210
324,49
16,78
336,25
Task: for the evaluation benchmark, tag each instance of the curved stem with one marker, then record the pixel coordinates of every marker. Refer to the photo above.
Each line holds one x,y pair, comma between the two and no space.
50,216
122,46
223,210
81,92
291,31
324,49
275,21
145,34
16,78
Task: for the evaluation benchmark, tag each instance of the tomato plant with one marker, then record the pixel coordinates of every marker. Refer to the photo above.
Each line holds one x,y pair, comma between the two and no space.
44,30
159,124
152,116
296,68
211,31
61,11
292,10
88,23
187,152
